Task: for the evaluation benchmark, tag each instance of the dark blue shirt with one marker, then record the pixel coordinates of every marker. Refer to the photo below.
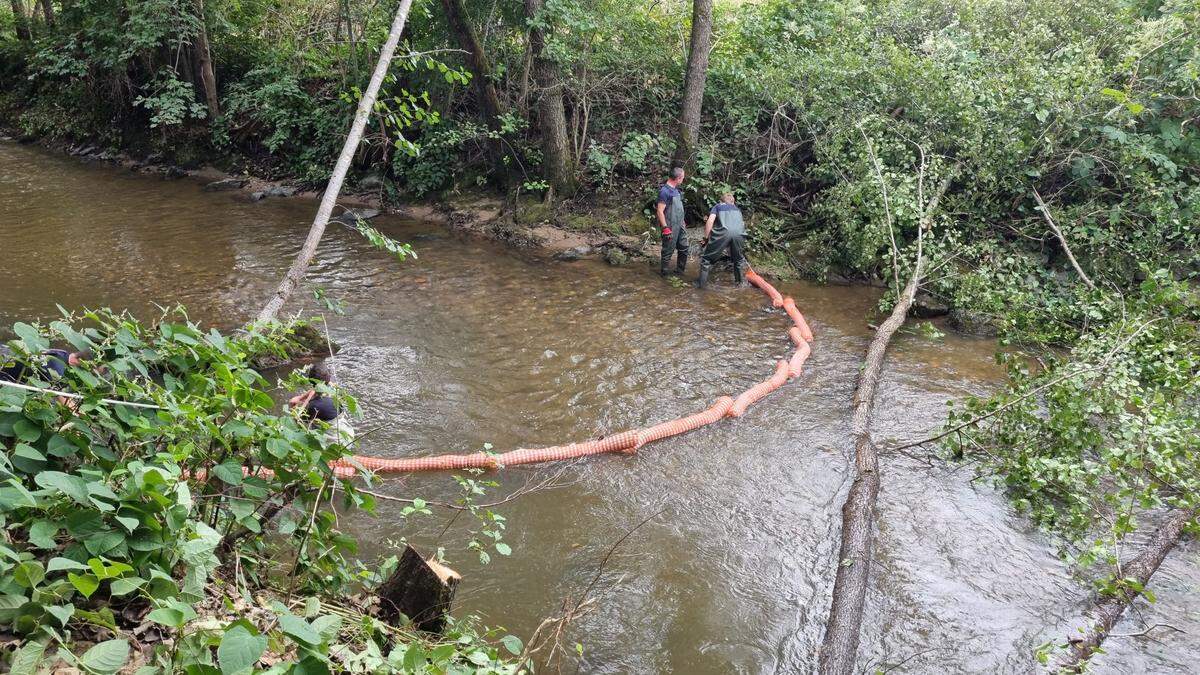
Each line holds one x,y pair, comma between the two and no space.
722,207
321,407
667,193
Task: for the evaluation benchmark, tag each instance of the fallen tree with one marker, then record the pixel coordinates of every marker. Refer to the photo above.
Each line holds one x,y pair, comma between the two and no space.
839,647
1136,574
334,188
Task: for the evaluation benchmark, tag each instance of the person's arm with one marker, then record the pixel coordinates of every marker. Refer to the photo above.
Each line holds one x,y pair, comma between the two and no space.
301,400
712,217
661,210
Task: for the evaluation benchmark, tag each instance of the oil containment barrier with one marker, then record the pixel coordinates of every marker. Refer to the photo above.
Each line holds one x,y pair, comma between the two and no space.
627,442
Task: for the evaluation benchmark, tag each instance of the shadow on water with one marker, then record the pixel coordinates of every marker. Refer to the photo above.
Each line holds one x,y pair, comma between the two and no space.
471,344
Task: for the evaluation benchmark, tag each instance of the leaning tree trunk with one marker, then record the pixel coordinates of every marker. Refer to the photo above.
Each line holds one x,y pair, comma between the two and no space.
693,84
481,73
557,163
334,188
21,21
839,648
204,65
48,11
1109,608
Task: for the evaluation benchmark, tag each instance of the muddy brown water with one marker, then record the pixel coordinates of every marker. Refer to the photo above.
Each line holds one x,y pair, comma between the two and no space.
473,343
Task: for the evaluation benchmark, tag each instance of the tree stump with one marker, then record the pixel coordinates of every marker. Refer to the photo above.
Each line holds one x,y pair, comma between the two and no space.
420,590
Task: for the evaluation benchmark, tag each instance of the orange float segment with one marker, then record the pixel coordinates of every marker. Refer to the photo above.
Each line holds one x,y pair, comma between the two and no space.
760,390
797,361
776,298
684,424
789,306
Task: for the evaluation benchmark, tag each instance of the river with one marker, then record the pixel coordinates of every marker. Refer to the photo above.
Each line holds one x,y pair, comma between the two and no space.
474,343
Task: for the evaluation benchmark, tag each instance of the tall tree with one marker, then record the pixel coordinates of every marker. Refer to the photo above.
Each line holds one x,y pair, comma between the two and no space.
477,60
481,74
693,84
21,21
365,105
204,65
47,11
557,162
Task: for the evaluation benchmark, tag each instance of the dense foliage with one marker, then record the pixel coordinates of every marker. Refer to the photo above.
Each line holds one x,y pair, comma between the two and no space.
175,536
1092,104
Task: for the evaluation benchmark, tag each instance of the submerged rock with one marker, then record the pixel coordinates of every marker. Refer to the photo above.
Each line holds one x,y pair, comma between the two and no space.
925,306
615,256
274,191
174,173
972,323
226,184
574,253
350,216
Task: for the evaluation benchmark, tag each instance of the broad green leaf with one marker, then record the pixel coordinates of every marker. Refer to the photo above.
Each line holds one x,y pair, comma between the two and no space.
28,658
59,564
34,342
299,629
239,650
126,585
29,573
41,534
230,472
63,613
167,616
27,431
106,657
72,486
86,584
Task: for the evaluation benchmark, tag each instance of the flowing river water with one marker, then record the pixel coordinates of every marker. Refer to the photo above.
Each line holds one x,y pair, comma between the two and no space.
475,343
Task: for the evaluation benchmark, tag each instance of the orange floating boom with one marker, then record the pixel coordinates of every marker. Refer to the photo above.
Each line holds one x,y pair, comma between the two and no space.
627,442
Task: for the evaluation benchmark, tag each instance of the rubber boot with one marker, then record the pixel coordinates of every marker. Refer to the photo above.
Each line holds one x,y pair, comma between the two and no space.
680,263
703,280
738,278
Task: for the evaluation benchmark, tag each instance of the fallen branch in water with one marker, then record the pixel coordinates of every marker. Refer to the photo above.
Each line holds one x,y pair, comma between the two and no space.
1136,576
334,188
839,647
550,632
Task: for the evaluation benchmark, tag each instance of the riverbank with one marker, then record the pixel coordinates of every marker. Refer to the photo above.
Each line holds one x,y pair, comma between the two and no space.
575,231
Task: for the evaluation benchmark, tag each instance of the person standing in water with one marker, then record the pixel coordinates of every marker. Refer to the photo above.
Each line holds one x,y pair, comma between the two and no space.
670,222
724,229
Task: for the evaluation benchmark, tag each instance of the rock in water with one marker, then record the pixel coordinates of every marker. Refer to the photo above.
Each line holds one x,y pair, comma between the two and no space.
925,306
972,323
616,257
350,216
226,184
573,253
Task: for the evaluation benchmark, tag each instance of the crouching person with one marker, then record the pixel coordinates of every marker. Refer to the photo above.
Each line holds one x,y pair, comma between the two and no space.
314,405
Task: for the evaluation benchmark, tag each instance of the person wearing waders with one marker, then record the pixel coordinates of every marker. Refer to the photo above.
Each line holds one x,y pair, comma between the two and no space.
724,229
670,222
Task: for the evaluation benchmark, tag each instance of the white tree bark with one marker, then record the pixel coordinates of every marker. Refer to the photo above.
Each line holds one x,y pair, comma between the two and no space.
334,188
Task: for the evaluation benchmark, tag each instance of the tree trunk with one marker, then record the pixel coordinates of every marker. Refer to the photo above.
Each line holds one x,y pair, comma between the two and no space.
557,163
1109,608
693,84
21,21
204,66
334,188
420,590
839,648
481,75
48,11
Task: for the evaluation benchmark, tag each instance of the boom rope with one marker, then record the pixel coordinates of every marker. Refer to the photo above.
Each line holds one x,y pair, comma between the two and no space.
626,442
